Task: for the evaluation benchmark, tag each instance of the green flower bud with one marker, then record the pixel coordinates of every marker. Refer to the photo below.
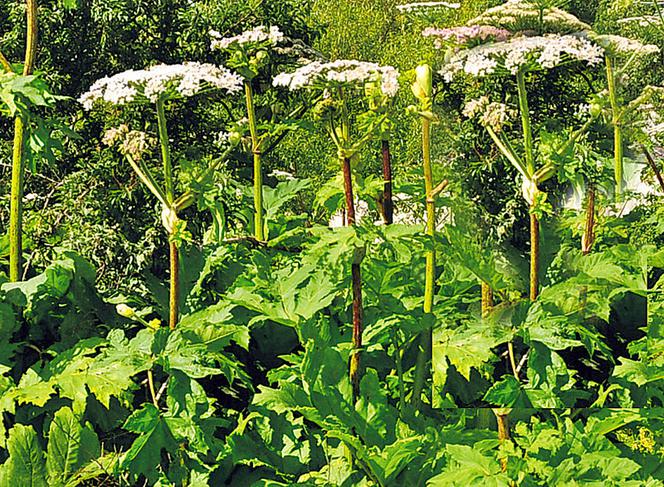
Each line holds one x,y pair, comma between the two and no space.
423,85
234,138
124,310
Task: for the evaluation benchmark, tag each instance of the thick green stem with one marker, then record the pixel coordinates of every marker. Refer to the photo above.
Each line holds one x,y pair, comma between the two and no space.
16,204
487,299
174,288
423,365
525,122
617,126
18,169
388,204
174,291
530,165
259,231
165,150
398,360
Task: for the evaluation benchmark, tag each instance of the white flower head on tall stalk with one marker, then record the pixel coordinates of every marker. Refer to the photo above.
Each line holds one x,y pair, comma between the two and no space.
493,115
257,35
525,16
418,6
623,46
466,36
336,74
522,54
161,81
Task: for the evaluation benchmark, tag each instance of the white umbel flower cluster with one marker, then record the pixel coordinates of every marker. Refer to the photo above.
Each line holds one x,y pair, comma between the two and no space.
317,74
528,53
464,35
493,115
169,80
256,35
521,16
413,7
619,45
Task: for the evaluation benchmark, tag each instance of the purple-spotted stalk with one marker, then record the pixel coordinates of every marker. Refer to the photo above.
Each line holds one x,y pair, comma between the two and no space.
18,167
588,237
388,203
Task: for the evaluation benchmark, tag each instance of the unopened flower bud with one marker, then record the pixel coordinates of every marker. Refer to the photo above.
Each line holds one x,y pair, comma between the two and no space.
154,324
124,310
422,87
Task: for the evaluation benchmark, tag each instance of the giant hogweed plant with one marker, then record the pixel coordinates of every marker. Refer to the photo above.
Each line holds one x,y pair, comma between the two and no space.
158,86
517,57
249,54
340,83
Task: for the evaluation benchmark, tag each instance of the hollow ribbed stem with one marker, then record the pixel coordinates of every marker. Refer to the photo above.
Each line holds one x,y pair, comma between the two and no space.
423,364
174,291
174,288
388,204
259,232
617,128
165,150
18,169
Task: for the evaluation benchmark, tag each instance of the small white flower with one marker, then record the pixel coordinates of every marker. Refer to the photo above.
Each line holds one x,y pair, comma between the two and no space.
282,175
524,15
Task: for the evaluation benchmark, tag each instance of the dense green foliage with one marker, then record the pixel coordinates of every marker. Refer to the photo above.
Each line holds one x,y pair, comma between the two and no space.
252,386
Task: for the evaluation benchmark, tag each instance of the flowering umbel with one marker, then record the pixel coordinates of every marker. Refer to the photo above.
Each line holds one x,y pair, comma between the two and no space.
339,73
466,35
260,34
163,80
522,53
